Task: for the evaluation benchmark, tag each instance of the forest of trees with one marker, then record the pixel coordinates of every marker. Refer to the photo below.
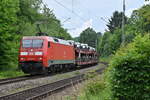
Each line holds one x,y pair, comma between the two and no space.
20,18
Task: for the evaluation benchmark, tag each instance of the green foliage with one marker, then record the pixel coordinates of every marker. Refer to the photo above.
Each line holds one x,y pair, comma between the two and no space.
129,70
144,14
104,44
33,12
8,29
139,20
10,74
88,36
110,43
90,74
105,59
116,21
76,39
111,40
95,89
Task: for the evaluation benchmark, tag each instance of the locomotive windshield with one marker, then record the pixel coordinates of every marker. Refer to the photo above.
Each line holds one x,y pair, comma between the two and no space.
32,43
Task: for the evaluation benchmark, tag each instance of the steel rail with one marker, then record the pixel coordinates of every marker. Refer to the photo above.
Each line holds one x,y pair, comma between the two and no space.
13,80
18,79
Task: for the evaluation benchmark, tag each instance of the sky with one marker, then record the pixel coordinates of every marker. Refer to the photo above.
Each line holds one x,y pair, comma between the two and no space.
78,15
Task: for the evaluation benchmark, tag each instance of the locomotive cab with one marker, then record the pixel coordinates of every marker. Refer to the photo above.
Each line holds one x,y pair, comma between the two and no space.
31,55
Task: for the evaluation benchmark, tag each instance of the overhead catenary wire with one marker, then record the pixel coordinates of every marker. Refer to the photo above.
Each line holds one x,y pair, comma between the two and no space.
66,20
69,10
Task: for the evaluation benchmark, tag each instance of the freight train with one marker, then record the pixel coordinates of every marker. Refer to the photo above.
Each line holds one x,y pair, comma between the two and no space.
44,54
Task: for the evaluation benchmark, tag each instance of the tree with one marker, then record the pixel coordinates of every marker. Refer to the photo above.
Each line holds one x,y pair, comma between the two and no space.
88,36
35,12
144,14
76,39
8,29
115,21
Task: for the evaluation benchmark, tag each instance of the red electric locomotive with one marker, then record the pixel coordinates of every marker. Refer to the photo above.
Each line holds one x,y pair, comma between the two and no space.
40,54
43,54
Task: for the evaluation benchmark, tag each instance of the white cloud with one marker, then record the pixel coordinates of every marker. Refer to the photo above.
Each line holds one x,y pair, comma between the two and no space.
77,31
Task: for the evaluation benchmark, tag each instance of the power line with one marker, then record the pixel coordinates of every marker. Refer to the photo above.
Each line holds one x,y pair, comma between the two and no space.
102,18
66,20
70,10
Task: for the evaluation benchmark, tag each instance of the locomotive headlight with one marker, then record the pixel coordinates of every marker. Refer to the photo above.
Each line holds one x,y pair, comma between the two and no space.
38,53
40,58
23,53
22,59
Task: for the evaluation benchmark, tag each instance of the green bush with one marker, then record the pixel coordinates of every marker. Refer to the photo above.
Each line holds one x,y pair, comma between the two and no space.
94,87
10,74
129,71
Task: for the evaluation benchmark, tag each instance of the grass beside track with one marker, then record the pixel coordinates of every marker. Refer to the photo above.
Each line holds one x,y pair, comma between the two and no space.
92,89
10,74
105,59
95,88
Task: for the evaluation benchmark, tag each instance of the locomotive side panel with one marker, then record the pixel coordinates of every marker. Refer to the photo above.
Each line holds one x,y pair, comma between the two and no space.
60,54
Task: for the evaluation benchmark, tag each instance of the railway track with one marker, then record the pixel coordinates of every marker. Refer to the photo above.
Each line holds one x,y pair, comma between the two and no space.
43,91
18,79
13,80
105,63
23,78
29,77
